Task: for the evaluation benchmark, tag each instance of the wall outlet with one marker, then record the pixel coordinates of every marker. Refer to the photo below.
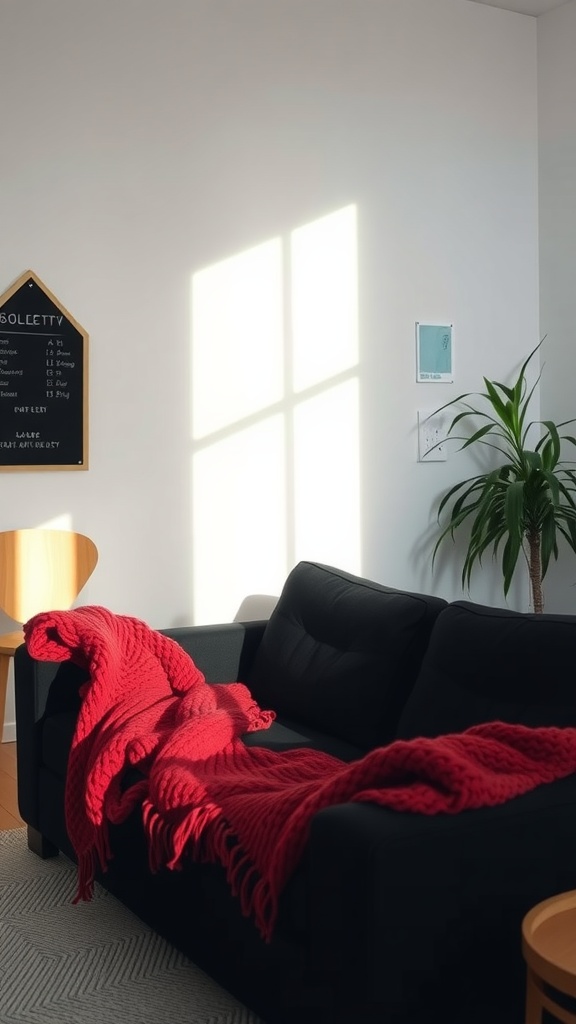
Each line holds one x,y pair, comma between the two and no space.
432,429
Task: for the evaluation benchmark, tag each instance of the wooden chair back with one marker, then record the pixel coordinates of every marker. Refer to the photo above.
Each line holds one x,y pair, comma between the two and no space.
43,570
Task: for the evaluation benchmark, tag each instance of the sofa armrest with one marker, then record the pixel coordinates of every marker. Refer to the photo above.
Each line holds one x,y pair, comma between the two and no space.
224,653
430,908
41,688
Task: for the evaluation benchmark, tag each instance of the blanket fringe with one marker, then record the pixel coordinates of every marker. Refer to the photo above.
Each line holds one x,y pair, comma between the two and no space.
97,857
85,878
220,844
204,835
157,832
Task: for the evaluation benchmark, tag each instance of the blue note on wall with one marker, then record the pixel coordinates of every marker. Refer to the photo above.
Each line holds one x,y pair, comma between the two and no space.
434,353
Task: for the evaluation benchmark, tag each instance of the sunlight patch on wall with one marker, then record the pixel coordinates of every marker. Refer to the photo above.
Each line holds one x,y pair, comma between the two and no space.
61,522
275,435
237,325
239,516
324,298
326,478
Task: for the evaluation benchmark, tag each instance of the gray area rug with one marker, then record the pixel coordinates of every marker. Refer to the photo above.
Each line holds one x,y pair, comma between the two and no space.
90,963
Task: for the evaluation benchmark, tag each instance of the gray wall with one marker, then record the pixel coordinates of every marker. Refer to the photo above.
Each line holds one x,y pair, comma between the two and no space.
557,173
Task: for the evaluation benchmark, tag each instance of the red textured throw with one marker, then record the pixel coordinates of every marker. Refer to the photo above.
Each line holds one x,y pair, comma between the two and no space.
207,796
143,690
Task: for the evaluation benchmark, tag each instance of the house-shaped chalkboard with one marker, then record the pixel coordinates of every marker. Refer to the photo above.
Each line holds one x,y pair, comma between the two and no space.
43,381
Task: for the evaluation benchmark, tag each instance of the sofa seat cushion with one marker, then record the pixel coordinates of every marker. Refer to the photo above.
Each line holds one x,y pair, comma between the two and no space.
341,653
285,734
488,664
58,731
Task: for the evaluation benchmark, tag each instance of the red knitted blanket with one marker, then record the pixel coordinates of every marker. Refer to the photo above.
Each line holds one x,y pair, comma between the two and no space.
207,796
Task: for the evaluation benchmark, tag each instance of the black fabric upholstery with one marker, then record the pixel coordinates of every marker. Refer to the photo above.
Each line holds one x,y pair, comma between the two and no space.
57,734
341,653
58,730
285,734
223,652
440,897
486,664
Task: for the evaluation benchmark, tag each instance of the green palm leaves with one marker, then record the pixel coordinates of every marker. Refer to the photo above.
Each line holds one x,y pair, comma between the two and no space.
527,502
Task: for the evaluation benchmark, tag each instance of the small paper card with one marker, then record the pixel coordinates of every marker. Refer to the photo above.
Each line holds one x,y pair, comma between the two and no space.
434,353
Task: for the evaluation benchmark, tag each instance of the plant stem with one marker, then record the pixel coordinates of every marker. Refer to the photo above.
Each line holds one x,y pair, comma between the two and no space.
535,570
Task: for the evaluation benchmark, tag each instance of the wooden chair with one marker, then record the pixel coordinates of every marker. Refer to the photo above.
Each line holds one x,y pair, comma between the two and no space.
549,947
40,570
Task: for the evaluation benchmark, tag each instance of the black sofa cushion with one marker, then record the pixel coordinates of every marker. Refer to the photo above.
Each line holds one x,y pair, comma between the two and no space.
341,653
486,664
58,731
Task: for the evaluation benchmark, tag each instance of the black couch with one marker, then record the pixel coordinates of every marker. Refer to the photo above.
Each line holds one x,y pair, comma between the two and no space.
391,918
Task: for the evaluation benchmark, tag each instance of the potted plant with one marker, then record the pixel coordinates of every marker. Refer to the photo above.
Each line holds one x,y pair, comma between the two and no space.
523,504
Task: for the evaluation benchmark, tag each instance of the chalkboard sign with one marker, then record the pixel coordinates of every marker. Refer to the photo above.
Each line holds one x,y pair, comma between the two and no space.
43,381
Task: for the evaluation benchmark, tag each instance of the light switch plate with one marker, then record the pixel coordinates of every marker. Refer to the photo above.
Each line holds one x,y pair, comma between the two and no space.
432,429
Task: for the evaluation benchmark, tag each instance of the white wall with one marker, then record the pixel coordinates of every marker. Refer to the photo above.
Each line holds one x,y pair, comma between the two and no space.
557,161
143,144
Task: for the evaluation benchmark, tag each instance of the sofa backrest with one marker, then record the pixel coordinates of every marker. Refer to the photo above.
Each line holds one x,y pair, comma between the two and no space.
489,664
341,653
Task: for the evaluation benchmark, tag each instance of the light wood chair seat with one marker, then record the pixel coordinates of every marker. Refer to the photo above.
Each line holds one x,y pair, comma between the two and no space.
40,570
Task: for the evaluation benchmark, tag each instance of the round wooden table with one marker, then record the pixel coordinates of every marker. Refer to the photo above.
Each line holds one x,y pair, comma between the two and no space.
549,949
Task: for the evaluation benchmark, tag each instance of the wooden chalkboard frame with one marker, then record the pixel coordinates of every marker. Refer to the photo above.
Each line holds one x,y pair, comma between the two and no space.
69,328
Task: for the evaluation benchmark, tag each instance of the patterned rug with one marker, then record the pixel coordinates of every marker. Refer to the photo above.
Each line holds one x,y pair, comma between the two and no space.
92,963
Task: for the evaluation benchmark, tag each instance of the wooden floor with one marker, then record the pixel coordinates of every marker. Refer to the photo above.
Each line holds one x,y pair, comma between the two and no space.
9,817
